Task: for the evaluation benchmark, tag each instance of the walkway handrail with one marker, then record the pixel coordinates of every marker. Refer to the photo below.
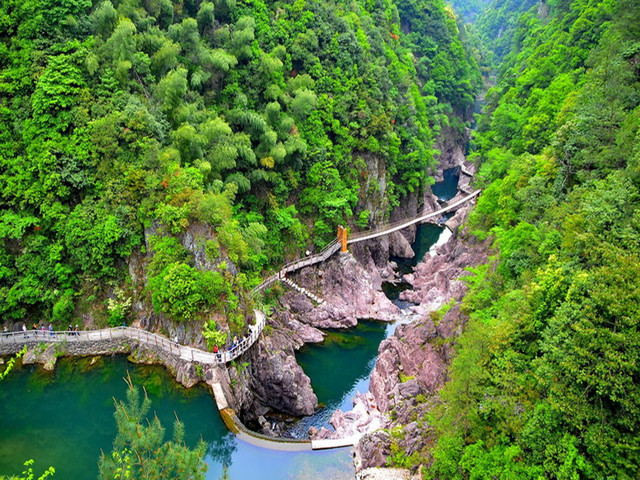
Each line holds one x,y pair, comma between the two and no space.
325,253
142,336
394,227
226,355
334,245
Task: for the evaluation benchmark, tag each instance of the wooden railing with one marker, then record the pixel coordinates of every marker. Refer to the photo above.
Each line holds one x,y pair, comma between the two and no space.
322,256
239,347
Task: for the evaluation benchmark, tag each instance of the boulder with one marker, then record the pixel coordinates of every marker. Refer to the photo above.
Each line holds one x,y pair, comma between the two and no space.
43,354
277,381
348,291
399,246
410,356
372,450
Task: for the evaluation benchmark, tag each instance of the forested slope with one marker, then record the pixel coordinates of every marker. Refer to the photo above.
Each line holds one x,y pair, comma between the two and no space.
254,121
546,379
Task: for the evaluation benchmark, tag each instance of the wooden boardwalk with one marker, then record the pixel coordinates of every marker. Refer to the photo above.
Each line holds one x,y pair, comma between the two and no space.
37,337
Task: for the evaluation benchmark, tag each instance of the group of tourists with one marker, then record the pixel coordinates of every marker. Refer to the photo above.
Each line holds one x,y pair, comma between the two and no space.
44,329
234,344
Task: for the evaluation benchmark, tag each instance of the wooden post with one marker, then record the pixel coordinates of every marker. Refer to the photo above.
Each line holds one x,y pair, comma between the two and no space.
342,238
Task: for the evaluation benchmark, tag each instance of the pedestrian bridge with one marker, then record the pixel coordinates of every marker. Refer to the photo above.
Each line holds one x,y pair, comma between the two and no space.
227,355
343,239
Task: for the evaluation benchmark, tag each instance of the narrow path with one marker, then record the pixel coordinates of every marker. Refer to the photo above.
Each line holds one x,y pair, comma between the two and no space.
464,170
334,246
190,354
302,290
402,224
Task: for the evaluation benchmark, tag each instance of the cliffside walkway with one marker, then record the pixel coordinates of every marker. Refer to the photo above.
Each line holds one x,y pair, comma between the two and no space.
9,341
341,242
466,171
36,337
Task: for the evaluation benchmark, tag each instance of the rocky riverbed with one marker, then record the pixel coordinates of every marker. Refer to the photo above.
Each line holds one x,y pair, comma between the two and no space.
412,363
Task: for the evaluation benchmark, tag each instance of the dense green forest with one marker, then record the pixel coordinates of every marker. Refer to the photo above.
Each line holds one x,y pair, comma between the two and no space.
255,121
545,382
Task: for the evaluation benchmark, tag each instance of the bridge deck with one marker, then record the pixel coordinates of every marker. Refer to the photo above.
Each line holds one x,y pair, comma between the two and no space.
390,228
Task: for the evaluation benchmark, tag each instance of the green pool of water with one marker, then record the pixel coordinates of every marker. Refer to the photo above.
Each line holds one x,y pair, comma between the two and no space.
448,187
65,419
339,367
426,235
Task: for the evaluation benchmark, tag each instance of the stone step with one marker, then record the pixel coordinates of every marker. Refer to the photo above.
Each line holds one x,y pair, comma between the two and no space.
302,290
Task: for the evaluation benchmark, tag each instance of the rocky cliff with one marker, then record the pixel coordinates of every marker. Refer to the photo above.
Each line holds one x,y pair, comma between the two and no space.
276,384
412,364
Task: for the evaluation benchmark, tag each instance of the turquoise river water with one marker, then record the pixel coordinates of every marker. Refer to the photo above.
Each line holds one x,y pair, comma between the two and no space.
65,419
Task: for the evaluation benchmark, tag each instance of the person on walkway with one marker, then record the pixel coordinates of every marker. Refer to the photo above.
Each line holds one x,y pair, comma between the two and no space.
76,330
51,329
6,330
24,330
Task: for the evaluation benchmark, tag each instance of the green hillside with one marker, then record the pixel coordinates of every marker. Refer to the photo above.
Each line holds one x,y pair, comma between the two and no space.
545,383
254,121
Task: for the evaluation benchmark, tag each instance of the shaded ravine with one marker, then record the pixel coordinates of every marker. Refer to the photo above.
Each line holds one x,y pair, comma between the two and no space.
350,355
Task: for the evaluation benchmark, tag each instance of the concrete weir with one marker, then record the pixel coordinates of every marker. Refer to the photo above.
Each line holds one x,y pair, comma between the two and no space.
234,425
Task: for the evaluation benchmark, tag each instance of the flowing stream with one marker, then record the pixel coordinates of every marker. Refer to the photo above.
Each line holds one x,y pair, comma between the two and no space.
341,366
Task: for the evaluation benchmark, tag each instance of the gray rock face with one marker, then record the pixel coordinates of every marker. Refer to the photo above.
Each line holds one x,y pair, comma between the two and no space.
194,239
372,450
412,362
451,145
277,381
399,246
364,418
348,291
408,352
436,279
